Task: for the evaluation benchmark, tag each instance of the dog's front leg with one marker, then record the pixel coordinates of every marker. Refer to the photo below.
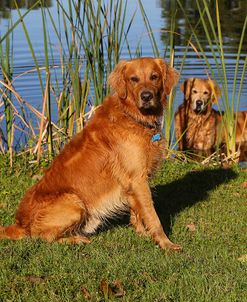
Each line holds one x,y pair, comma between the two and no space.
137,222
140,201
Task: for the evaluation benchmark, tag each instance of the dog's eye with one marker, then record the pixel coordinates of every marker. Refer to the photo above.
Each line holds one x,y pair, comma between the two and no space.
194,91
134,79
205,92
154,77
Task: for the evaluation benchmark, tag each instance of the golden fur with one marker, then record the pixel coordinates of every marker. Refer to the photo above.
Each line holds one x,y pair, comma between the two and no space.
104,170
198,126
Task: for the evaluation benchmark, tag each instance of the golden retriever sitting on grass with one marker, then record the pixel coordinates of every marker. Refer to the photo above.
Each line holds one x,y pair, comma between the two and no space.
104,170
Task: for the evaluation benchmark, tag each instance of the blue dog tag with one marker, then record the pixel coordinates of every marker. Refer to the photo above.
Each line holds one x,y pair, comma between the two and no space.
156,137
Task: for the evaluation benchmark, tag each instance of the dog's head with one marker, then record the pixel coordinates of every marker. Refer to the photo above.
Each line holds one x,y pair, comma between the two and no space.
144,81
200,93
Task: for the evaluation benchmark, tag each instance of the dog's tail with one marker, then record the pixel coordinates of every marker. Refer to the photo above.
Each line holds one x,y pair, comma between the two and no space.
12,232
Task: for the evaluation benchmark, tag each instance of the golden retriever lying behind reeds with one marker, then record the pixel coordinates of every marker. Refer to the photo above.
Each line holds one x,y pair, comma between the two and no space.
105,168
197,125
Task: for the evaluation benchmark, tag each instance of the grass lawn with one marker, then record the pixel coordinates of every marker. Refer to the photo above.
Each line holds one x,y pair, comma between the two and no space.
204,209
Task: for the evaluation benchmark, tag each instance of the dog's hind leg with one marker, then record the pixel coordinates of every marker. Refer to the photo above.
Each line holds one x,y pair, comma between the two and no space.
63,215
77,239
13,232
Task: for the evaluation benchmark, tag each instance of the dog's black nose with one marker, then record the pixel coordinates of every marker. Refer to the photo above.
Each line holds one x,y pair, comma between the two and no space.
146,96
199,103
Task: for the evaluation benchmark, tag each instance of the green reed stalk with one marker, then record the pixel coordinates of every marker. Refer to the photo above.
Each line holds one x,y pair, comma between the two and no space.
229,112
41,128
64,98
115,32
101,39
74,69
75,102
30,46
6,68
48,102
169,107
154,45
92,44
198,43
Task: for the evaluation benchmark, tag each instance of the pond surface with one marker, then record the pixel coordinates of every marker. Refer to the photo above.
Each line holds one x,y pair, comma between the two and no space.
159,13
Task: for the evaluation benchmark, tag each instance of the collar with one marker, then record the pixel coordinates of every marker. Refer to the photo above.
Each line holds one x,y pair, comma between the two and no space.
153,126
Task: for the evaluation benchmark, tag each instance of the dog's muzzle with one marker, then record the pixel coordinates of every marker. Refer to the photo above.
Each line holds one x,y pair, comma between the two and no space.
199,106
147,99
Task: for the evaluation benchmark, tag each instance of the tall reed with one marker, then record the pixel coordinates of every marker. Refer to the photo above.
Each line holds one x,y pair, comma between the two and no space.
169,112
6,57
91,37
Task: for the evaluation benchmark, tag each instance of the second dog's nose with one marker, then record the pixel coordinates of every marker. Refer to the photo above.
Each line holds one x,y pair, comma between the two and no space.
146,96
199,103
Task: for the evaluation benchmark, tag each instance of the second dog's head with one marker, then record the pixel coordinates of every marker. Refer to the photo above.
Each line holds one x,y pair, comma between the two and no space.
200,93
145,82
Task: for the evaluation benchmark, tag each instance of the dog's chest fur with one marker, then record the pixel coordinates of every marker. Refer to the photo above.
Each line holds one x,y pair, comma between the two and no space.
200,134
128,161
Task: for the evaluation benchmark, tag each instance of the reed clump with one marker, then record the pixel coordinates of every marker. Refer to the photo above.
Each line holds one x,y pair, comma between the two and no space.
91,37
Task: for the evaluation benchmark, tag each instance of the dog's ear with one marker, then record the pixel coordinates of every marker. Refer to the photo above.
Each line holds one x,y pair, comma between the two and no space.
186,88
117,81
216,93
170,75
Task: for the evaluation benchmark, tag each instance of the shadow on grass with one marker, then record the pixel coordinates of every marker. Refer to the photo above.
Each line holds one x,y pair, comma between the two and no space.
171,198
195,186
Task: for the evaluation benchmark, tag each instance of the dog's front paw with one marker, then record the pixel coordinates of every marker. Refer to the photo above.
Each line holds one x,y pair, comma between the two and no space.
168,245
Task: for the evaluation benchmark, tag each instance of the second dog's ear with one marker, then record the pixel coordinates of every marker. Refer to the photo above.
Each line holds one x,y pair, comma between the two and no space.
117,81
216,93
186,87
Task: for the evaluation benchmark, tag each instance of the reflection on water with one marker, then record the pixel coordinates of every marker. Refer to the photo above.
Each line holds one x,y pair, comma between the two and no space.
6,6
232,16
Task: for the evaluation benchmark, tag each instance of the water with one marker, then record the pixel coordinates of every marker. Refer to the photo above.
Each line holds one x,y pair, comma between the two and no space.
159,14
